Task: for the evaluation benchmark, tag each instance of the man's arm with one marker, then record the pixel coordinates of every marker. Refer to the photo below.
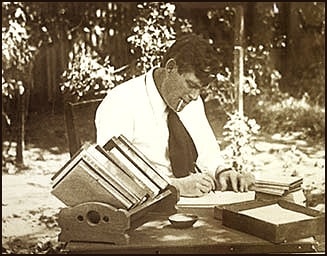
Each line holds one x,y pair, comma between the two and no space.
209,152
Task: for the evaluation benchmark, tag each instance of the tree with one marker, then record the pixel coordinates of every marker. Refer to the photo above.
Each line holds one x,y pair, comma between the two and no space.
17,63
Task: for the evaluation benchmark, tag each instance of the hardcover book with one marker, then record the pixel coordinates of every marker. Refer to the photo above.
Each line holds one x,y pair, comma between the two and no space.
115,171
82,184
277,184
135,173
94,159
278,180
69,165
138,159
117,174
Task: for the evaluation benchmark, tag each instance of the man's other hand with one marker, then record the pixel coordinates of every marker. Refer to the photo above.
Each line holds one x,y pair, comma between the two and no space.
194,185
238,181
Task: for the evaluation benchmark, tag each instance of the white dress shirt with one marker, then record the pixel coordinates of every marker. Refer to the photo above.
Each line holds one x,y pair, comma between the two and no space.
136,110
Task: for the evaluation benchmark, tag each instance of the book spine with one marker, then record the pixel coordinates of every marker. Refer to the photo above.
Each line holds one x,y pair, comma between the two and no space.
136,174
162,182
115,170
82,184
67,168
92,157
270,191
111,189
68,165
140,165
278,182
270,186
106,169
140,160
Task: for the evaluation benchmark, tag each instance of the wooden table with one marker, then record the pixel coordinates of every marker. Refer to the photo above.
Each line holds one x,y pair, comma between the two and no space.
207,235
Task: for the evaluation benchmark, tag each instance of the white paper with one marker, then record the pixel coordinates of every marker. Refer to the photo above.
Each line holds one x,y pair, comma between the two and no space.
275,214
216,198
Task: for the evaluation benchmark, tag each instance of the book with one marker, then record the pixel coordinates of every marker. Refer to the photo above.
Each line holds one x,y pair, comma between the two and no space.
151,172
114,170
278,180
58,176
92,157
83,184
296,196
277,192
137,175
138,159
215,198
83,153
277,187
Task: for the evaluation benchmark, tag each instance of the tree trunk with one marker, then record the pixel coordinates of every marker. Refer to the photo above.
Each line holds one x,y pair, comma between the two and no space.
20,127
239,57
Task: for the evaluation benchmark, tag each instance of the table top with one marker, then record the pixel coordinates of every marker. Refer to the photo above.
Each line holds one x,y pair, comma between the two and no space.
207,235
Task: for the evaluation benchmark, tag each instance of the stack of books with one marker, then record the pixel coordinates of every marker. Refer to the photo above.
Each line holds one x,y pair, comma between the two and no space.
288,187
117,174
278,185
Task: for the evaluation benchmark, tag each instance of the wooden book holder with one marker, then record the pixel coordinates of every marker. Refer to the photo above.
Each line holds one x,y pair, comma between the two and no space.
101,222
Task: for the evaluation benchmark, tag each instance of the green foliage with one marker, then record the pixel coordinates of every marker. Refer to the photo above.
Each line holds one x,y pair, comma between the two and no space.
154,32
86,74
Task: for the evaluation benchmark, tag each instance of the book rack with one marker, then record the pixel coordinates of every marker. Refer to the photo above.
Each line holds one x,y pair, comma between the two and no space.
101,222
109,191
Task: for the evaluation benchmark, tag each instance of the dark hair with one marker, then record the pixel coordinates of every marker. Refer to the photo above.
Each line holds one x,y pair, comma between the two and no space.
193,53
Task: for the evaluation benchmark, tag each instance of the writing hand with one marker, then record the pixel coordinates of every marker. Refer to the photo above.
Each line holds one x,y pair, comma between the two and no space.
239,181
196,184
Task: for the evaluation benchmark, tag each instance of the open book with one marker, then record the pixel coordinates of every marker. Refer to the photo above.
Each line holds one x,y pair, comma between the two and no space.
216,198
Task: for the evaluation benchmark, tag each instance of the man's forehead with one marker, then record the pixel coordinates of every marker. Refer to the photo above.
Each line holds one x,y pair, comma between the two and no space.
203,76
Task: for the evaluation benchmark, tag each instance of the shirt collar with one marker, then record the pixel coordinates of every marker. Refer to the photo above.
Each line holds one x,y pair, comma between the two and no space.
156,100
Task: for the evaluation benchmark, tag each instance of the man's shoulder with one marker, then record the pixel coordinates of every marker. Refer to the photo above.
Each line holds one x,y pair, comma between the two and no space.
129,91
132,84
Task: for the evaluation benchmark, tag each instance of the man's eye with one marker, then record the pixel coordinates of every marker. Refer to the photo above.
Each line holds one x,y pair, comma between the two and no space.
193,85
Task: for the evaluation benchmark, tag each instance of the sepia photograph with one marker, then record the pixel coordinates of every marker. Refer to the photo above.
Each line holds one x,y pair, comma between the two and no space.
163,127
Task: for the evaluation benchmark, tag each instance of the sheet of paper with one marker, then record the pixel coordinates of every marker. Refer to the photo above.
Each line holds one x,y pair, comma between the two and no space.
216,198
275,214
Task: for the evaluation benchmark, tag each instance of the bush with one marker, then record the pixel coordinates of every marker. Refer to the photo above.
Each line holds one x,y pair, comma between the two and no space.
289,114
87,75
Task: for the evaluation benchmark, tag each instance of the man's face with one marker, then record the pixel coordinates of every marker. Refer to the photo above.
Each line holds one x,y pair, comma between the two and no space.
180,89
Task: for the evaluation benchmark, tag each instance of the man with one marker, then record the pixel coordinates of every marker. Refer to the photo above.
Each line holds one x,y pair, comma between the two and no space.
141,110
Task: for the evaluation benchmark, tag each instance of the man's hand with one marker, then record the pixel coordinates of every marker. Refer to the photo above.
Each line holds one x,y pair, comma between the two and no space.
194,185
239,181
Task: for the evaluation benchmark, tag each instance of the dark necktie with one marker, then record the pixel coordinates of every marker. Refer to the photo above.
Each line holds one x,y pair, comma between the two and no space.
182,151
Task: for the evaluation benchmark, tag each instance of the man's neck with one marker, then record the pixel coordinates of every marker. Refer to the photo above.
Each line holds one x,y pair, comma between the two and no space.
158,77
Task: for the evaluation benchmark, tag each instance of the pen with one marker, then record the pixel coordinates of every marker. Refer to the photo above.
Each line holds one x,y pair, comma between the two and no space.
197,168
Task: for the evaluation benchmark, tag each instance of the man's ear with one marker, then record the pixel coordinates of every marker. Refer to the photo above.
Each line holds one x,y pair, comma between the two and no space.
171,65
